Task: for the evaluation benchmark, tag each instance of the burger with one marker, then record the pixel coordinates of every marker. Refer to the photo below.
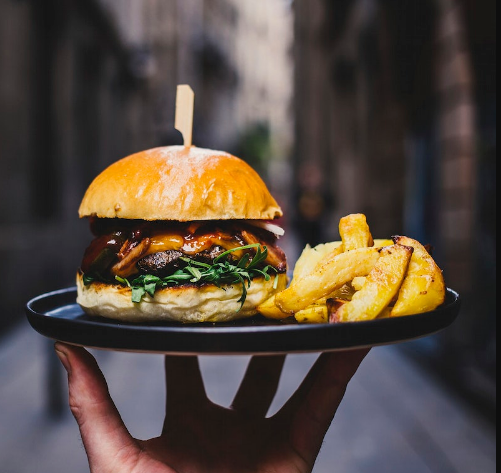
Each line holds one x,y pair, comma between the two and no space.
179,234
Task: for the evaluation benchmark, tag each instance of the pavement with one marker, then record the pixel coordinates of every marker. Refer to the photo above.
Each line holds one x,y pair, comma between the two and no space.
395,416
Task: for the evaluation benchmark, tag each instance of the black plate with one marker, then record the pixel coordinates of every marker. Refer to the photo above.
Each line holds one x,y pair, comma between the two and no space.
57,316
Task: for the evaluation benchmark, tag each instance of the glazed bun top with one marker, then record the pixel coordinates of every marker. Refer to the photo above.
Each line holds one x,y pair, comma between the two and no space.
179,183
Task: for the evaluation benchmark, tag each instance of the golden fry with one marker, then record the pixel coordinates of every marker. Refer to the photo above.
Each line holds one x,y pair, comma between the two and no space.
385,313
423,288
358,282
359,278
310,257
379,242
313,314
355,232
270,310
381,285
333,305
320,254
345,292
327,277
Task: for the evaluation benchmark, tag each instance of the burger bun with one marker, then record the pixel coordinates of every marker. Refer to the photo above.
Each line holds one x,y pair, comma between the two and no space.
179,183
185,304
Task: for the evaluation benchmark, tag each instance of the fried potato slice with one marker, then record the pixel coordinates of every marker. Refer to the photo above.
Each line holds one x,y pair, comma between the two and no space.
355,232
270,310
358,282
423,288
381,285
313,314
380,242
333,304
385,313
328,276
310,257
345,293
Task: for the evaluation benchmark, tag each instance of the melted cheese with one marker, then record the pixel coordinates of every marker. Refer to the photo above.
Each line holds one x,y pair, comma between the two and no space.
190,245
164,242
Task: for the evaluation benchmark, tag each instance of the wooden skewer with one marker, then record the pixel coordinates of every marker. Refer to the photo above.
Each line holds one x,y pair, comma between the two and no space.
185,99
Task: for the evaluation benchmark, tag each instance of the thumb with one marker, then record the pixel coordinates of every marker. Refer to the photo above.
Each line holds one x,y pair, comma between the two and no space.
106,440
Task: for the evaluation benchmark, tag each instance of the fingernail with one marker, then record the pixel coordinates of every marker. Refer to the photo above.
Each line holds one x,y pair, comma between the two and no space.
63,357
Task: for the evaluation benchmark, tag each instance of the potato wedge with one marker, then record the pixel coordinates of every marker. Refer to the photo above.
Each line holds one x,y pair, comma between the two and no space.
327,277
345,292
310,257
269,309
304,263
313,314
333,304
381,285
380,242
325,249
358,282
385,314
423,288
355,232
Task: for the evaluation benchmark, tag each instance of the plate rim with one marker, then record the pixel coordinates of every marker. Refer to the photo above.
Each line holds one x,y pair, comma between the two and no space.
37,317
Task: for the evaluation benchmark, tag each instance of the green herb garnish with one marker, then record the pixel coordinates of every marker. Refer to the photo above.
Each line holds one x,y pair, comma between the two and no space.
219,273
87,279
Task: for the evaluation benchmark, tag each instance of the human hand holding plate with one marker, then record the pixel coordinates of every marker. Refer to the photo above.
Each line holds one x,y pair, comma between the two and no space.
201,437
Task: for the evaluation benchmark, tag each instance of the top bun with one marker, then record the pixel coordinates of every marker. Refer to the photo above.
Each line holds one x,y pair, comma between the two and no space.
179,183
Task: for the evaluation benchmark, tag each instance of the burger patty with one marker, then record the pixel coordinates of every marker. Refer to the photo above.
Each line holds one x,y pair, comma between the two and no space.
124,249
166,262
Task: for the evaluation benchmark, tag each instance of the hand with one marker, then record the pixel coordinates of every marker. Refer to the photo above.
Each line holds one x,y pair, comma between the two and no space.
199,436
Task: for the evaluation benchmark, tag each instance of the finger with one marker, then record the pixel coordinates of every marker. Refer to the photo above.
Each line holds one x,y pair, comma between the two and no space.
185,386
104,434
259,385
311,409
184,380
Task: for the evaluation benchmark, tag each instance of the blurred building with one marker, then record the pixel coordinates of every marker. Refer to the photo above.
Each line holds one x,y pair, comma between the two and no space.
86,82
394,116
205,43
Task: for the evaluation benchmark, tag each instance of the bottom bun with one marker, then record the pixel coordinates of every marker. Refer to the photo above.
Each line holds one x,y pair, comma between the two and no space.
187,304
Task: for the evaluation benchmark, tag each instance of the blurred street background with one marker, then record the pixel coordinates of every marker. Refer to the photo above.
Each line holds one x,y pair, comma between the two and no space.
382,107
